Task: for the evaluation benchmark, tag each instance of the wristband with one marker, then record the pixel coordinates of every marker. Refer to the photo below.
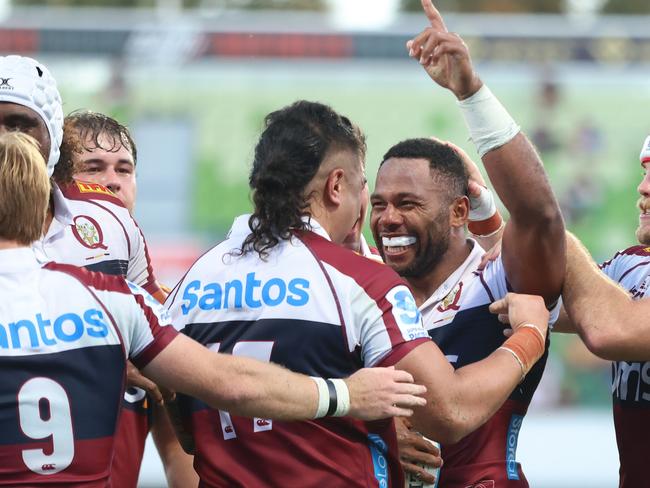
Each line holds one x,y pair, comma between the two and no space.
488,227
343,397
483,206
489,123
333,397
323,397
521,365
527,344
484,218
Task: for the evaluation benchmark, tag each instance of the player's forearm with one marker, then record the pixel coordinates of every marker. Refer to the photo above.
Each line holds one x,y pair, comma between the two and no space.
518,177
477,391
610,323
266,390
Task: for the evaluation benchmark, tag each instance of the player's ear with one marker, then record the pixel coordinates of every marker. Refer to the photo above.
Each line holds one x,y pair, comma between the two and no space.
334,187
459,211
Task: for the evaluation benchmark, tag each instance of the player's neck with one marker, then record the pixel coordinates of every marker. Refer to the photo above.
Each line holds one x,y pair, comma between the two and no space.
8,244
425,286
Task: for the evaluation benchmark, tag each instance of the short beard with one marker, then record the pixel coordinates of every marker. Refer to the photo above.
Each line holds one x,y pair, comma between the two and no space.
427,259
643,236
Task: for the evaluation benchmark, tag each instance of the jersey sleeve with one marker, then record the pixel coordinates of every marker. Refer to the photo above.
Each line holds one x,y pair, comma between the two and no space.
140,269
494,281
390,326
144,323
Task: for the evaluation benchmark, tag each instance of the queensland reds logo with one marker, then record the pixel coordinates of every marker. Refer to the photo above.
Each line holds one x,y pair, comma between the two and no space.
88,232
450,302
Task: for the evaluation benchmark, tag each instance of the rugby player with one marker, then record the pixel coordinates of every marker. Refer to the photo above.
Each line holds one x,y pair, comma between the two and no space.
65,336
419,210
98,149
280,288
86,225
615,328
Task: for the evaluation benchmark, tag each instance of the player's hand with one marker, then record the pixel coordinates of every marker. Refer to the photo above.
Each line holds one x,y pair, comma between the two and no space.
491,255
444,56
157,394
378,393
415,450
517,310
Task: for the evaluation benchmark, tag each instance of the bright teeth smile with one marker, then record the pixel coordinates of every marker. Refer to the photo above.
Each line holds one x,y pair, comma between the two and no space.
394,242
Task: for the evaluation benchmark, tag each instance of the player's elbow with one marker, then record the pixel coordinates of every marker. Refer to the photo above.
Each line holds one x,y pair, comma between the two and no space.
606,344
447,425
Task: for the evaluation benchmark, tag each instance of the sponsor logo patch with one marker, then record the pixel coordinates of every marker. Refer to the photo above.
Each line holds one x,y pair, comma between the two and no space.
406,313
511,446
93,188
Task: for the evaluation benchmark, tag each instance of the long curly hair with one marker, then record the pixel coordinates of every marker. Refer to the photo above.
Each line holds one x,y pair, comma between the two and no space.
295,141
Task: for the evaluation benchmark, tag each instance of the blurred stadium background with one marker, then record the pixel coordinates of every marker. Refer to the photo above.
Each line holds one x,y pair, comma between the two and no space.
194,78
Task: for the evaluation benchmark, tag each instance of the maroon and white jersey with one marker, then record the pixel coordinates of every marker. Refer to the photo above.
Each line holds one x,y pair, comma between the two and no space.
91,228
318,309
460,323
65,335
631,380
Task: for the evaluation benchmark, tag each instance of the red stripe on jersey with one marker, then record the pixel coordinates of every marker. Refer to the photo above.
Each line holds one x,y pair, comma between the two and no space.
89,467
162,335
130,437
643,263
399,351
151,285
99,281
79,190
632,434
374,278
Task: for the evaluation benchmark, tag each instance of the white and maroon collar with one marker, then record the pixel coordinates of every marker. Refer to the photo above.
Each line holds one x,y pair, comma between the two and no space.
460,274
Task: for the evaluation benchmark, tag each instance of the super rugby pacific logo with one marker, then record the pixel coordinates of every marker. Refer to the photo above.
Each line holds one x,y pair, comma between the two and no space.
88,232
4,84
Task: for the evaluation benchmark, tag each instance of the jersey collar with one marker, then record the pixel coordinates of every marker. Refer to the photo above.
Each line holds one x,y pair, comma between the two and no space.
240,227
17,261
469,266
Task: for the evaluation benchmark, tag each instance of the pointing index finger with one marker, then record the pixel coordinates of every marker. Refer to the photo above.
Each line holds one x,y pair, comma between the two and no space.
435,19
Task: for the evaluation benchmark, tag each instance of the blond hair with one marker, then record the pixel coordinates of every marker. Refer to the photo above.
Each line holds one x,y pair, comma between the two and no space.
24,186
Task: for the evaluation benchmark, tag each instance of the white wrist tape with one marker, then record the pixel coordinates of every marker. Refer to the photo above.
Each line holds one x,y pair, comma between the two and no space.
323,397
343,398
483,206
489,123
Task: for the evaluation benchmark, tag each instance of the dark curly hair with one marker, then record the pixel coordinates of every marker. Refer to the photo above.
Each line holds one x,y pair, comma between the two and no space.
444,161
82,130
295,141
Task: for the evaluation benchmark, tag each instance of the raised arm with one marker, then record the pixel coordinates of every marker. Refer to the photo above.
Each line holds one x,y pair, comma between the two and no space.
533,243
610,323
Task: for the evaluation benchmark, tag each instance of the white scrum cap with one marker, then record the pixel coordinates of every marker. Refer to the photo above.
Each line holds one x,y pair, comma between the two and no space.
26,82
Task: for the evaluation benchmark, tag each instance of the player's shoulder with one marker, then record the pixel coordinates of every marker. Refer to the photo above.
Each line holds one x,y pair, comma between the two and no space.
365,271
91,279
640,250
84,191
633,253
